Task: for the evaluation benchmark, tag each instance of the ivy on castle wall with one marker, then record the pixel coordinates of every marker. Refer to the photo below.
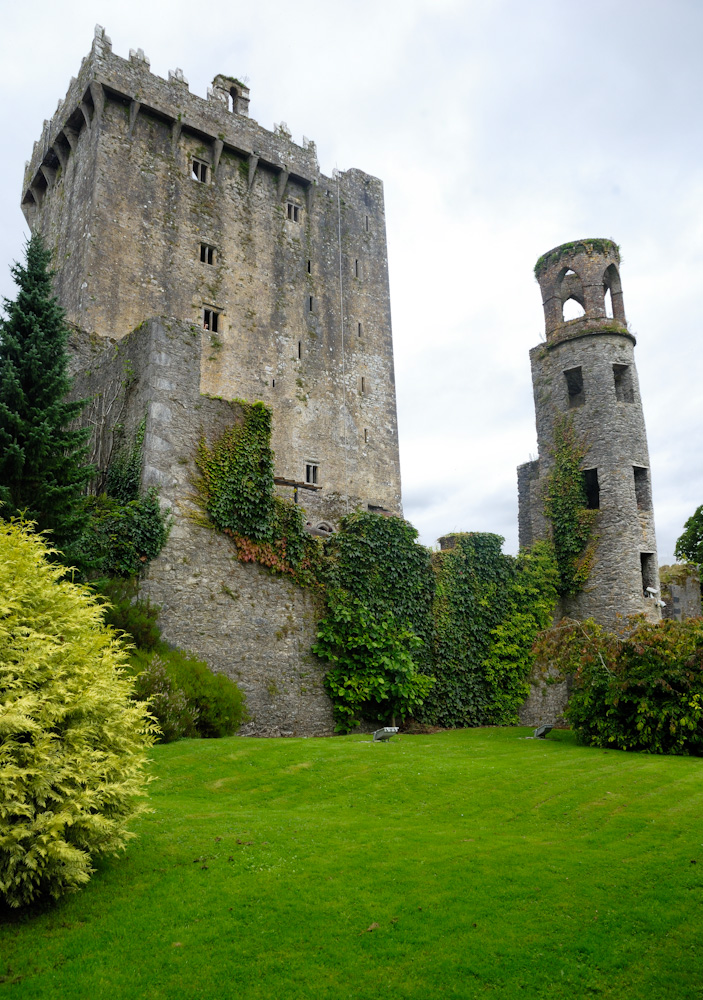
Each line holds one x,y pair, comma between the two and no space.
444,637
378,560
566,507
235,489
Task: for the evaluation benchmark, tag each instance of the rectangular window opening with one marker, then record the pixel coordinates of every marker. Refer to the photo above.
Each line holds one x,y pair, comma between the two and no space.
643,493
207,254
574,386
310,303
211,320
273,383
199,170
367,223
311,474
309,267
622,376
363,384
366,435
357,269
358,329
300,349
649,574
293,212
590,483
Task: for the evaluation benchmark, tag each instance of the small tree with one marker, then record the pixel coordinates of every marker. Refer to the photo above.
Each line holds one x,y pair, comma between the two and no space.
42,460
690,545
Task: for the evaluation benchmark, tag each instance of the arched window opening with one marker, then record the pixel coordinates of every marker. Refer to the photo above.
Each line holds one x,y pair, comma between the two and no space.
573,310
612,290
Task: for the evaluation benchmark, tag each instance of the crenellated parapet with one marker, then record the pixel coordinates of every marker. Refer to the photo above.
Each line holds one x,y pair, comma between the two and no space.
220,120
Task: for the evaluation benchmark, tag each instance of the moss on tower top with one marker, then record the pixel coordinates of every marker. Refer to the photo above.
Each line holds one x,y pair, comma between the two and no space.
588,246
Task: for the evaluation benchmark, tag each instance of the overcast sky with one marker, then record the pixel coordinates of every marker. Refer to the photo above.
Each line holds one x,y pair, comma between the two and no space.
500,129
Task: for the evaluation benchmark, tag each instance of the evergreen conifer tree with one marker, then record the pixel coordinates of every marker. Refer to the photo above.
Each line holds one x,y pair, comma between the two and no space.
43,470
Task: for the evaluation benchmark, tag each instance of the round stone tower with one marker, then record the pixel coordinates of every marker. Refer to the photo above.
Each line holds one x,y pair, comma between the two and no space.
586,369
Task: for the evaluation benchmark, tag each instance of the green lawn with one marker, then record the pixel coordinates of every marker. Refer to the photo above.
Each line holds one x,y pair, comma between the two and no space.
487,864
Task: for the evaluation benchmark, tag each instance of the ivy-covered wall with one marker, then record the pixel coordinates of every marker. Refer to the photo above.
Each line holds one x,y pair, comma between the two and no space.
442,637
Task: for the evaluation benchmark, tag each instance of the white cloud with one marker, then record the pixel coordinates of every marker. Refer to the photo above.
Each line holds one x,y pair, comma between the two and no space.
500,129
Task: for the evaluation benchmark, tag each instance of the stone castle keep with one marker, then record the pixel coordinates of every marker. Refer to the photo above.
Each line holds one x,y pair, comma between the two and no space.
158,203
203,259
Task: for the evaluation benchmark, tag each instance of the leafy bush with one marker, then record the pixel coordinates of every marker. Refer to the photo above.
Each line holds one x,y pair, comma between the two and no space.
218,701
373,672
73,745
122,537
640,690
184,688
167,702
128,613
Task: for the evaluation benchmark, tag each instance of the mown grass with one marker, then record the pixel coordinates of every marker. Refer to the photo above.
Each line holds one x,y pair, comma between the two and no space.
491,865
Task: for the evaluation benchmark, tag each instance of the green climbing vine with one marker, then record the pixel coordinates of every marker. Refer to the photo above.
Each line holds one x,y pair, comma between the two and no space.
445,638
234,487
566,507
126,527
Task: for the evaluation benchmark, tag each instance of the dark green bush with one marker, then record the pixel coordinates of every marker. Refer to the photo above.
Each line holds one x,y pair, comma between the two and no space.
128,613
167,702
640,690
215,703
216,698
122,537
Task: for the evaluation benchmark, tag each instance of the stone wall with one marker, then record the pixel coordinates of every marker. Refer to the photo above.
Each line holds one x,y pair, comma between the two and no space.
293,263
681,591
255,627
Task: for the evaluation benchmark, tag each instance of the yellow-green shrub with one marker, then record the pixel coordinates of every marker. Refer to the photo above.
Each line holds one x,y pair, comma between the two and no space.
73,744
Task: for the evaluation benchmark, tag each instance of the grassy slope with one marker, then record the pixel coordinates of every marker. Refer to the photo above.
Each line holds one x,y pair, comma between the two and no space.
493,866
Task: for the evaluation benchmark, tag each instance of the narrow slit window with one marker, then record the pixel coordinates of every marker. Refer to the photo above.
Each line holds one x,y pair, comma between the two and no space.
199,170
643,492
310,303
311,474
300,349
359,329
357,269
366,435
293,212
309,267
367,223
363,384
649,574
574,386
211,320
622,376
207,254
273,383
592,488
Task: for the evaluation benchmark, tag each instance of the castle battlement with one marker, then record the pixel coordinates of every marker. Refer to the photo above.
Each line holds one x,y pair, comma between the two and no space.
221,121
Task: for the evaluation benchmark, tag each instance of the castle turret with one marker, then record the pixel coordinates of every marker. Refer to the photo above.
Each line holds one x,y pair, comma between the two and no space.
586,370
